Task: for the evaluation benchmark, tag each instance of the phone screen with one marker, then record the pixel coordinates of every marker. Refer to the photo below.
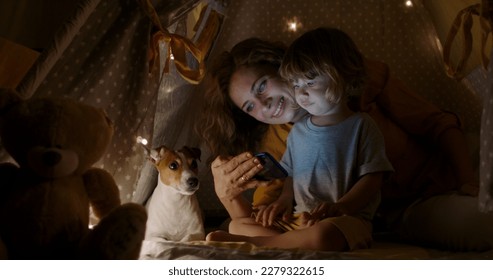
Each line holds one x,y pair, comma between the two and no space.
272,169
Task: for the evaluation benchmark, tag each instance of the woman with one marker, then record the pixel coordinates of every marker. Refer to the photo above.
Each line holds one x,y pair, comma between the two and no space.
430,197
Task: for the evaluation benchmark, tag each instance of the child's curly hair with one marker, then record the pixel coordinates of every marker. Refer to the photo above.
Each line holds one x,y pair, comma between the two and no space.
329,52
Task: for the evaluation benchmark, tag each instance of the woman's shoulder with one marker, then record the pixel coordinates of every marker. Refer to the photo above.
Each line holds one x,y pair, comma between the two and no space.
275,138
280,130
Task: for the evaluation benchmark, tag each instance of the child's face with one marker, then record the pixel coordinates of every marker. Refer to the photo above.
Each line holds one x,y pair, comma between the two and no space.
310,95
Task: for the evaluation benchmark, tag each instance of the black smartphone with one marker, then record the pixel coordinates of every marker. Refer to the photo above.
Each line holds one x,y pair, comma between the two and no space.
272,169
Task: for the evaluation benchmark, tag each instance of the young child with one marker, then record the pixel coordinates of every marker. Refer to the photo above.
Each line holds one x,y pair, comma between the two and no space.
335,157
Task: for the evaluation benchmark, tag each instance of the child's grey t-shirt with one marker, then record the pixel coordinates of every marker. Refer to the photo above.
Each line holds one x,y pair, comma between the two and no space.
326,161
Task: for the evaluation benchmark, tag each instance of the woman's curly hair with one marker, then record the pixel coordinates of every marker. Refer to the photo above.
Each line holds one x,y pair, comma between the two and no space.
224,127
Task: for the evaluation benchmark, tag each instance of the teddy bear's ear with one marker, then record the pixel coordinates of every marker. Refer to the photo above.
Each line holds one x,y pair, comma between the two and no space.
8,98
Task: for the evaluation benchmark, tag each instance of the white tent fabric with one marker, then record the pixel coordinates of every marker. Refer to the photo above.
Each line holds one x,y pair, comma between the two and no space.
481,82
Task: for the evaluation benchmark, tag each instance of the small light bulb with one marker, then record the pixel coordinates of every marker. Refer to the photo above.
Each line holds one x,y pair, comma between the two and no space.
293,24
141,140
409,3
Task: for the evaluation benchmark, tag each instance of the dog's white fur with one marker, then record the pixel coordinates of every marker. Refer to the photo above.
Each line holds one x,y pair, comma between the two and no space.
173,210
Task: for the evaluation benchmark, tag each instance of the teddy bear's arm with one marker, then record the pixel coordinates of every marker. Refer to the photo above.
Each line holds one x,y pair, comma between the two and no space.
8,173
102,191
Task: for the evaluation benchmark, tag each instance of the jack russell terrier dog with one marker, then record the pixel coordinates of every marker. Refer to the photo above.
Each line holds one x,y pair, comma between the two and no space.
173,210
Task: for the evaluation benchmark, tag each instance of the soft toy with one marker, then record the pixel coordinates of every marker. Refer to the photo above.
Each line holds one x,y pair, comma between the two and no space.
45,199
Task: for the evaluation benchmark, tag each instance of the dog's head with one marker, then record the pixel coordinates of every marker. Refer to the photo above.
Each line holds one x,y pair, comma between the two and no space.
177,169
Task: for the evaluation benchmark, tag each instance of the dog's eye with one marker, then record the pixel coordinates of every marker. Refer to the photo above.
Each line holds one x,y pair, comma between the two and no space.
193,165
173,165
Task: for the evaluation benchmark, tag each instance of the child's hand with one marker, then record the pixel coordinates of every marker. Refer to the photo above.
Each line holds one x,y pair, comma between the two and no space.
268,213
322,211
326,210
305,219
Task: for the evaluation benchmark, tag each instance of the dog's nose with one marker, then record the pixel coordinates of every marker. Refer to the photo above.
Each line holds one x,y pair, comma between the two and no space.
193,182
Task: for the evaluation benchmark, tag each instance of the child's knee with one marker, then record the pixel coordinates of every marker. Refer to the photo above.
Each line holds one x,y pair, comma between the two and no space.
235,225
329,238
240,225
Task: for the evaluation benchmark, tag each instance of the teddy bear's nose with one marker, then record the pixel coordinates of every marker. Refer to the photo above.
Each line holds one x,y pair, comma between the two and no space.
51,158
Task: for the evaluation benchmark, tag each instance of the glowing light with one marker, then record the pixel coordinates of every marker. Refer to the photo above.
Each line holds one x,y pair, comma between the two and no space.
409,3
141,140
293,24
439,44
171,56
168,83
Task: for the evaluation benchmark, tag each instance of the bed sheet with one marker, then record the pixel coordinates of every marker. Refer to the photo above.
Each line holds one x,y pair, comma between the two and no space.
381,250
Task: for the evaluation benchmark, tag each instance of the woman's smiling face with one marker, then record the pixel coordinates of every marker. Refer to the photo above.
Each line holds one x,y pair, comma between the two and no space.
261,93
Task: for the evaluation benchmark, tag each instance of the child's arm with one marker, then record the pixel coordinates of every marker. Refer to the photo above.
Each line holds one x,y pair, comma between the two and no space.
364,191
284,204
352,202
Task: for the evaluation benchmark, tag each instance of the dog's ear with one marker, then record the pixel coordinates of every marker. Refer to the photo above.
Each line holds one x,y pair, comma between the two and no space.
156,155
153,156
192,152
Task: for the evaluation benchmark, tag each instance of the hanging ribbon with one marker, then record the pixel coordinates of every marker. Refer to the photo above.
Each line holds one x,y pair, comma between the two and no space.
177,45
466,15
207,28
464,20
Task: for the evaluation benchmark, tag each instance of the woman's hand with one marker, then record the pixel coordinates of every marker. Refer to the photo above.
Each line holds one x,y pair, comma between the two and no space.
232,174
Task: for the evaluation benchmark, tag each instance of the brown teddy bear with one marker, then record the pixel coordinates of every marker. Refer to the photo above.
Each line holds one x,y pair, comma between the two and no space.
45,199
